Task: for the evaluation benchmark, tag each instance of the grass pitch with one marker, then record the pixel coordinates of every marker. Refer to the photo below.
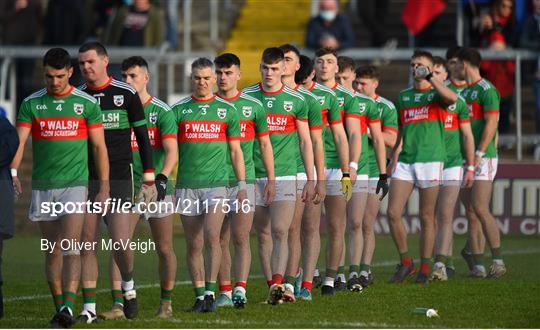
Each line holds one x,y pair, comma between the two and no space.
510,302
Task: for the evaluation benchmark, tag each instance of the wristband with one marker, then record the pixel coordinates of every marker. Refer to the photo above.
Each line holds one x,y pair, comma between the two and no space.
149,177
353,165
346,175
429,76
13,172
470,168
383,176
479,153
242,185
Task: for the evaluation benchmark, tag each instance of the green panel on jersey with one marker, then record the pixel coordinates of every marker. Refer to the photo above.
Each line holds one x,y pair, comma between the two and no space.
482,97
369,112
314,120
161,124
388,114
204,127
59,137
421,118
457,113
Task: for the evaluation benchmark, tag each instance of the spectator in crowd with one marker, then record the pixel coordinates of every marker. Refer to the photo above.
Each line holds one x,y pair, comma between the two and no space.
473,11
9,142
330,28
66,22
137,25
374,14
20,22
530,39
171,21
498,34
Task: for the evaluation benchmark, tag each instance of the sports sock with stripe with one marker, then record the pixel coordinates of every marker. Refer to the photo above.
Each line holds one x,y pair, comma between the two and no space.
58,299
89,300
117,297
449,262
365,268
166,294
69,301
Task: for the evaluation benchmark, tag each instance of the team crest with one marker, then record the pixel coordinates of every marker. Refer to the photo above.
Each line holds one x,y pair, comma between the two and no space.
430,97
341,101
153,117
362,107
287,105
452,108
321,99
222,113
118,100
474,95
78,108
246,111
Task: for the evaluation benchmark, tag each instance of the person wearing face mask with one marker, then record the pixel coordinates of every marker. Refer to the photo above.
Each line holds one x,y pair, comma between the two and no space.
329,29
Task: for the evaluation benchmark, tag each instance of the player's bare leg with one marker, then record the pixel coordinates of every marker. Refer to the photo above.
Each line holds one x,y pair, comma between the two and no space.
281,217
446,203
370,215
264,238
53,260
71,229
295,246
355,215
193,231
212,251
480,199
428,201
162,233
473,252
335,215
224,274
241,224
399,193
311,242
340,283
89,272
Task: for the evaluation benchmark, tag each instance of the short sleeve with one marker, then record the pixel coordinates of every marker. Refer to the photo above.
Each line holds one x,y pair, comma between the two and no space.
334,112
24,118
93,117
351,107
462,110
490,101
389,118
314,114
261,126
233,125
373,113
302,110
167,124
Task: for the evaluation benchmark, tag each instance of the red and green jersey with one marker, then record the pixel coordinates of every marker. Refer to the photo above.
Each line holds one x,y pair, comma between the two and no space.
252,123
161,125
482,98
204,127
314,112
283,108
421,118
348,107
331,115
456,114
388,114
369,113
59,125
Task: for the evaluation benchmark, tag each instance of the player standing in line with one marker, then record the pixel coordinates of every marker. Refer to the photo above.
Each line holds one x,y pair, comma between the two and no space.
287,120
370,120
293,273
326,68
367,81
458,84
332,125
61,119
459,143
121,111
421,126
208,130
162,132
252,125
483,101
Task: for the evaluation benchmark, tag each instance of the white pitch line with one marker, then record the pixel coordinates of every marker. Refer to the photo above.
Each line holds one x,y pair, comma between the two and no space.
155,285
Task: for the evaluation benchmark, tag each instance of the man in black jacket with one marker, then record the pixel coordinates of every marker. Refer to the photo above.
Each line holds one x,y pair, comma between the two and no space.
330,28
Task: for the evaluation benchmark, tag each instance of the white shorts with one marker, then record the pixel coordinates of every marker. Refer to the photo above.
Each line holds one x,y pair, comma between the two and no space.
423,175
487,169
333,182
452,176
361,184
50,205
285,189
193,202
301,180
235,207
372,185
156,210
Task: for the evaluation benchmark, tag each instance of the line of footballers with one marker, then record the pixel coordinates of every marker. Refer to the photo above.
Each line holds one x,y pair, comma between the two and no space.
311,133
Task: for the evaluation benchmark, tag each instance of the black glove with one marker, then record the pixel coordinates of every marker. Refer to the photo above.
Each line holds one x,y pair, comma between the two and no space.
161,186
382,184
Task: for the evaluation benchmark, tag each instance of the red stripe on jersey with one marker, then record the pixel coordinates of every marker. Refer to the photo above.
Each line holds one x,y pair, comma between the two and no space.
263,133
428,112
234,138
153,134
315,127
24,124
202,131
280,123
302,119
451,121
363,124
324,114
58,128
374,121
389,128
476,111
168,136
247,130
496,112
96,125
